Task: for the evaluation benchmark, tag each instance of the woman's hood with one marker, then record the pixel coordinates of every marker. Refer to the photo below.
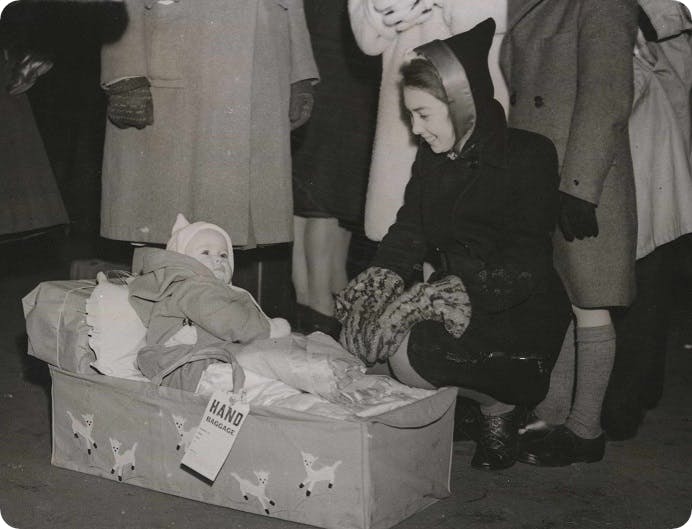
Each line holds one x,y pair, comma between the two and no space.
462,63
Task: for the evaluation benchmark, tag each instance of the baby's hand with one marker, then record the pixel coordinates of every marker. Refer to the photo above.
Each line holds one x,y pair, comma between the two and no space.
279,327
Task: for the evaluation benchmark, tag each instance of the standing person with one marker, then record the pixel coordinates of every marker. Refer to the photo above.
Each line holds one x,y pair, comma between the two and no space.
482,202
392,28
200,112
660,142
30,199
568,64
331,159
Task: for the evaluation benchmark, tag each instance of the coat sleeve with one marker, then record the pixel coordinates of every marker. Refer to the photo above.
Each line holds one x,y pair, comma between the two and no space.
403,248
372,36
303,66
228,314
607,33
524,255
126,57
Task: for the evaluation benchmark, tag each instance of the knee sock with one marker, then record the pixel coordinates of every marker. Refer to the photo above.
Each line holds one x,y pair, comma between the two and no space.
554,409
595,357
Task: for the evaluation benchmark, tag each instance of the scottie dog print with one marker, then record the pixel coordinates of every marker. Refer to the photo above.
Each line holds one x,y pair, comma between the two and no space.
184,436
122,459
257,490
83,429
315,475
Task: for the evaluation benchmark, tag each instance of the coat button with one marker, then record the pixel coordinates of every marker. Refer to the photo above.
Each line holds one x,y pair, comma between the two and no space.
538,101
513,98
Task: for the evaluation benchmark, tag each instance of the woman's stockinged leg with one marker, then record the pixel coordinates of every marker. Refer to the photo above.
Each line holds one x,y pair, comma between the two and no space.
299,272
320,234
497,444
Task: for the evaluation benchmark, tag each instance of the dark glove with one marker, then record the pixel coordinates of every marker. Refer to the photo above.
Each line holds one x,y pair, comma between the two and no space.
302,101
130,103
26,71
577,218
360,305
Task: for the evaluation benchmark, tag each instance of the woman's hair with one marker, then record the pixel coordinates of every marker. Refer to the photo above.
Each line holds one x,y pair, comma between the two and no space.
420,73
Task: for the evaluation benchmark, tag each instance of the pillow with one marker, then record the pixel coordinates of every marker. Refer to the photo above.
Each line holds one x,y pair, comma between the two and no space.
116,333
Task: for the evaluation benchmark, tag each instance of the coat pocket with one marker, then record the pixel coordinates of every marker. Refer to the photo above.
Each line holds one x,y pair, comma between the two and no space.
166,27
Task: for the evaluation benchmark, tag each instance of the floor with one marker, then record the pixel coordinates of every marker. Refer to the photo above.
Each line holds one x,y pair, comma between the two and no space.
643,483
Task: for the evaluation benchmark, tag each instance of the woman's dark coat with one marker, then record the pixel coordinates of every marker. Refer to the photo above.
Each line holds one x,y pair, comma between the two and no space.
489,215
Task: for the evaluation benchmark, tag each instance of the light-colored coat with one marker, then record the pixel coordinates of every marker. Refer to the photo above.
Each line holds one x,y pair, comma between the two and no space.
568,65
395,149
660,127
219,148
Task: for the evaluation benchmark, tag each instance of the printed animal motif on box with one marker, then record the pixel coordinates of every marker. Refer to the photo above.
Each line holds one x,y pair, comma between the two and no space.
83,429
247,488
122,459
316,475
184,436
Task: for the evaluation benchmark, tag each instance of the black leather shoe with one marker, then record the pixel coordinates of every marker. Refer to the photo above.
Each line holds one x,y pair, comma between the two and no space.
562,447
496,447
532,429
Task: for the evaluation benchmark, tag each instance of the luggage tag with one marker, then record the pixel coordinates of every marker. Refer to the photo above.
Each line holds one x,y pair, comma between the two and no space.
223,418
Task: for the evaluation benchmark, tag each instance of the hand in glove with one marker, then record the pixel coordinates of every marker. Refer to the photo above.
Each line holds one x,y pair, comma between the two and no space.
360,305
26,71
302,101
130,103
577,218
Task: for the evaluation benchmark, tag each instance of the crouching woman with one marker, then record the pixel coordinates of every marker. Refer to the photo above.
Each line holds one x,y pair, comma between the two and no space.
481,205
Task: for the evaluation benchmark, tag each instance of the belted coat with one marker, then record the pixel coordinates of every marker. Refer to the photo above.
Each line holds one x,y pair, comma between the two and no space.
568,67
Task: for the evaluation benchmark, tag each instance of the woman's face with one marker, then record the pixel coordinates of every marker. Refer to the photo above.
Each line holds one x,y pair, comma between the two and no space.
430,119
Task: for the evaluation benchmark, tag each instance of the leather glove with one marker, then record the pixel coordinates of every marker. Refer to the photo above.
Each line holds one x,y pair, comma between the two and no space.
26,71
360,305
577,218
302,102
130,103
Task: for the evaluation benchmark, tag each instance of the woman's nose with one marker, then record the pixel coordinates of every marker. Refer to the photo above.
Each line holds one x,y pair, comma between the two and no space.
415,125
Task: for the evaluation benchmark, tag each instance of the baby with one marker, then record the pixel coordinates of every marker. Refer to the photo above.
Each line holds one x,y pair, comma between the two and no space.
184,294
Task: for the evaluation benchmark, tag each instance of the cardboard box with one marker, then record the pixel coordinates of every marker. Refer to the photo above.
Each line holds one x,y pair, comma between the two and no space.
359,474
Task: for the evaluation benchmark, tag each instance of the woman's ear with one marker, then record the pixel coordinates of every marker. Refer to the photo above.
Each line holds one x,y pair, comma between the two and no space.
180,223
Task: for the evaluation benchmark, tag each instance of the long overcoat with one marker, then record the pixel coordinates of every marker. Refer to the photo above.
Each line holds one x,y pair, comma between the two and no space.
568,66
30,198
219,148
489,216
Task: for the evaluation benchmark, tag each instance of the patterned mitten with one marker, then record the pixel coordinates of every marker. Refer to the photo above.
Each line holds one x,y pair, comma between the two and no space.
450,304
413,306
359,307
445,301
130,103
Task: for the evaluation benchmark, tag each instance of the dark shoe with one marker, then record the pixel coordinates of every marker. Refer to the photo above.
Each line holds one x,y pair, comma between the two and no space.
562,447
496,447
309,320
532,429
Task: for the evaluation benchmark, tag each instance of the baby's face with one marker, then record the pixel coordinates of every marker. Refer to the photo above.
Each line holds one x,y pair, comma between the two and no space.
209,247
